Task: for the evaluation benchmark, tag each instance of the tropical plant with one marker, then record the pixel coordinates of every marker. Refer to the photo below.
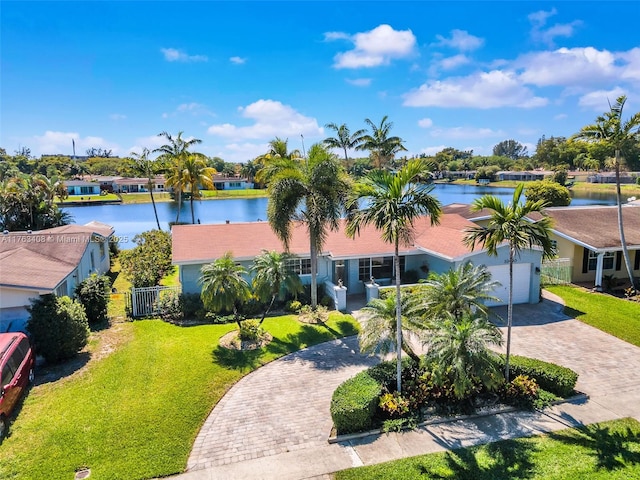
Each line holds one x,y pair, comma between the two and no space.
273,278
93,294
392,202
194,174
510,224
554,194
224,288
460,349
380,145
379,334
145,167
344,139
173,154
610,130
311,191
149,261
455,293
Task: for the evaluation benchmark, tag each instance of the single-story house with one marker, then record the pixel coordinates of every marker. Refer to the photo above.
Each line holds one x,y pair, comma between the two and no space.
525,176
222,182
82,187
351,263
610,177
54,260
589,237
137,185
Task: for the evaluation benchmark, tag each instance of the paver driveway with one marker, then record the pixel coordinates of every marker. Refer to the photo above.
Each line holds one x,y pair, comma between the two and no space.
284,406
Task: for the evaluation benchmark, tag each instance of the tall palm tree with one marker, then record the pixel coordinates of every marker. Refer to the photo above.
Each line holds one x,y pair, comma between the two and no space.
278,150
344,139
509,223
381,146
273,278
392,202
463,346
311,191
612,131
379,327
146,168
456,293
195,173
224,288
174,153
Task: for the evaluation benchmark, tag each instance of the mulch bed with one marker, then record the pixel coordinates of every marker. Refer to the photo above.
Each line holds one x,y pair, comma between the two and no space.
231,341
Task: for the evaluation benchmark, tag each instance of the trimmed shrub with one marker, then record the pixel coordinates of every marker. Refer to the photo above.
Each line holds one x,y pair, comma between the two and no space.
385,372
192,306
170,306
58,327
550,377
294,306
250,330
93,294
354,403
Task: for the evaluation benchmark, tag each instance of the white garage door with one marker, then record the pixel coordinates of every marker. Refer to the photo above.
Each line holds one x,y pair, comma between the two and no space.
521,282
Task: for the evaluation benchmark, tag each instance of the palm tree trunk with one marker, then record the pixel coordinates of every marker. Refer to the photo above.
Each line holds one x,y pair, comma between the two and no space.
346,159
179,205
193,217
268,309
396,260
509,314
314,273
155,210
623,242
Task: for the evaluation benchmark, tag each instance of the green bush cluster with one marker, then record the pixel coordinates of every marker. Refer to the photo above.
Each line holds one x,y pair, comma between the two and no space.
250,330
553,378
94,294
354,403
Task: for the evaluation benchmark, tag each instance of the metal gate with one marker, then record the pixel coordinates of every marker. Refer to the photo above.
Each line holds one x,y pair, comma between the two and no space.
556,271
144,301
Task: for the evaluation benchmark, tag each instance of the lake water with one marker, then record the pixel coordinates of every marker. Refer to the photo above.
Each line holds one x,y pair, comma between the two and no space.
129,220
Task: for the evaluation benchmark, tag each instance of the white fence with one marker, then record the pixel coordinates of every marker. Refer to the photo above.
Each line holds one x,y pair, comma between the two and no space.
556,271
144,301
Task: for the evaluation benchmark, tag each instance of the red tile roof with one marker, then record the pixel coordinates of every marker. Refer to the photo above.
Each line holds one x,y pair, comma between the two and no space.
194,244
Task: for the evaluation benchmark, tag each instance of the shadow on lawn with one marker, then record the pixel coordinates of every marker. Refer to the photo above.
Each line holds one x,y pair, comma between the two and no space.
53,373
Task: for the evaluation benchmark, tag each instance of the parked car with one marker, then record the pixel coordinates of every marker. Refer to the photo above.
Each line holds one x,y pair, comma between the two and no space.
16,372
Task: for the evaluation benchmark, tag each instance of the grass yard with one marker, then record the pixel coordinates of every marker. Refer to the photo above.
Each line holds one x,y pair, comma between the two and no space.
605,451
206,194
134,410
619,317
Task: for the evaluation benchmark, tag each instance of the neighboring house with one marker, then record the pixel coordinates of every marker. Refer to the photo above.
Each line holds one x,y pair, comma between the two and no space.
81,187
589,237
222,182
610,177
526,176
138,185
47,261
352,262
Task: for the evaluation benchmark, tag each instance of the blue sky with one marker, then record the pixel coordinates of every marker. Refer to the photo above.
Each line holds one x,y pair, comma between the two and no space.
236,74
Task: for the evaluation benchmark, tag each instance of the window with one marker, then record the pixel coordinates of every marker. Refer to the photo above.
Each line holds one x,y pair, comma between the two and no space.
554,247
234,184
103,250
607,261
93,262
301,266
377,267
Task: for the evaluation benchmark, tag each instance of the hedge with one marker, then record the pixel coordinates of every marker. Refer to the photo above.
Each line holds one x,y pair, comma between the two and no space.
354,403
549,376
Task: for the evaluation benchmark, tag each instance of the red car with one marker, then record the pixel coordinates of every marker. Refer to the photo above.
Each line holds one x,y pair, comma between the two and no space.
16,372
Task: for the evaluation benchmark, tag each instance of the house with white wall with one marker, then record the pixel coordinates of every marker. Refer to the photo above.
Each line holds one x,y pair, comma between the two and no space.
82,187
54,261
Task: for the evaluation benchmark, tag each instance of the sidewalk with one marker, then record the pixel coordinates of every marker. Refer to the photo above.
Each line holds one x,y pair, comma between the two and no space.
608,374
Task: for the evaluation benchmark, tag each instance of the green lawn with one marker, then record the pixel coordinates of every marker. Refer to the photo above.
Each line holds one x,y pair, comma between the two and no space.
606,451
88,198
616,316
135,413
206,194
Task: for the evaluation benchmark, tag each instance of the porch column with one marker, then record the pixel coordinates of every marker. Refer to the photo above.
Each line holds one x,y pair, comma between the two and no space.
599,264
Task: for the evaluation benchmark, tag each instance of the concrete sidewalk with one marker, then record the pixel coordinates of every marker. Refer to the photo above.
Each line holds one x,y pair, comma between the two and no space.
608,374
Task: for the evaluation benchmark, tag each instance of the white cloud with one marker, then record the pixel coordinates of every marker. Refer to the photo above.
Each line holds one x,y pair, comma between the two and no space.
175,55
62,142
461,40
271,118
466,132
539,33
433,150
449,63
374,48
242,152
425,123
117,116
631,59
359,82
568,66
481,90
192,108
560,116
238,60
599,100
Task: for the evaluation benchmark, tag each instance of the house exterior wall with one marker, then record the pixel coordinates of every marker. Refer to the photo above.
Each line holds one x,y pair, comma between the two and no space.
84,189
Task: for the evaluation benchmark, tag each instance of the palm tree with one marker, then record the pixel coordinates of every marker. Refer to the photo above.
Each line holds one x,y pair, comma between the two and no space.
456,293
224,287
194,174
174,153
311,191
611,130
278,150
273,278
509,223
462,348
379,327
392,202
145,167
381,146
344,139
